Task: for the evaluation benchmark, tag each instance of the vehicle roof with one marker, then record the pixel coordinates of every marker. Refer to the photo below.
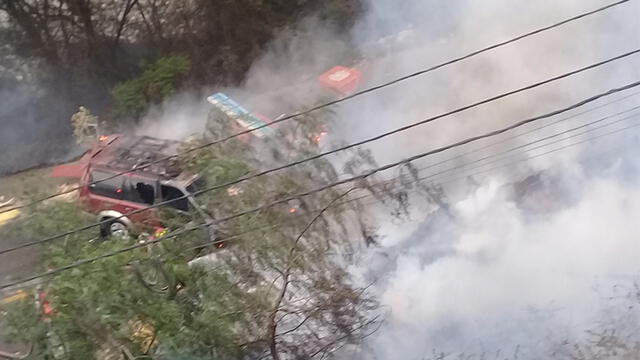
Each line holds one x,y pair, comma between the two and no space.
127,152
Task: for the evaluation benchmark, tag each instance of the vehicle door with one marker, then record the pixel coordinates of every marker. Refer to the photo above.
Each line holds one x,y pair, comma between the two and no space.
139,193
182,199
104,190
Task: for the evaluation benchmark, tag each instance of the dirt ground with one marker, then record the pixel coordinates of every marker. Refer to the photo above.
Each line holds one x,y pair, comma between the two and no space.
23,262
22,186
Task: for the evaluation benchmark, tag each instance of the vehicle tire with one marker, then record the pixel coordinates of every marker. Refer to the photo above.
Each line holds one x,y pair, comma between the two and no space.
114,228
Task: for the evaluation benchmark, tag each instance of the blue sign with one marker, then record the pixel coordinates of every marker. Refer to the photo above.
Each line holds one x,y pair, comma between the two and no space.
241,115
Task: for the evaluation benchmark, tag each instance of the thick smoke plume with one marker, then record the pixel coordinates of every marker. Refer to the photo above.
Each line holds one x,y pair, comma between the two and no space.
510,273
34,126
501,276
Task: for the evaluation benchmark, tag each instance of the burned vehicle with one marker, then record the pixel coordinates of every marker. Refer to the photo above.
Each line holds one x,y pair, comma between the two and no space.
122,175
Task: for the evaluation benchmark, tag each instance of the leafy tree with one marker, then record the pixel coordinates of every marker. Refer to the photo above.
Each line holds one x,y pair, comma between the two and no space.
278,289
85,127
91,45
71,52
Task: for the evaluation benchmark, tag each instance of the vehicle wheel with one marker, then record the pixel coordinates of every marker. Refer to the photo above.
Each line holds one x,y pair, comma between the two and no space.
114,228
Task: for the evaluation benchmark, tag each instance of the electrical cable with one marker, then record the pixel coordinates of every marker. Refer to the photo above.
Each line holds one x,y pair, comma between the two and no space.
380,136
330,103
438,181
237,236
322,188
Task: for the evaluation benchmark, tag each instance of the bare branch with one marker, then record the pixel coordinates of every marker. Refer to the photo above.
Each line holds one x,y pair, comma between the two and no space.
123,20
273,327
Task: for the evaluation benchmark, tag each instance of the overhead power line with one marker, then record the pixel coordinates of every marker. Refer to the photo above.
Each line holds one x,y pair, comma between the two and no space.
237,236
179,232
525,145
327,186
430,176
562,139
546,137
476,150
226,239
334,102
375,138
448,180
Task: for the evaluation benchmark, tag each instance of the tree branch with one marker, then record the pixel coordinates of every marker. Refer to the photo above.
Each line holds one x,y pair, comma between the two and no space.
123,21
273,327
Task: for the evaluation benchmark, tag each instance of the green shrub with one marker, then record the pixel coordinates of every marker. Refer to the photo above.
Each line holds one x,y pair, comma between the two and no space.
157,81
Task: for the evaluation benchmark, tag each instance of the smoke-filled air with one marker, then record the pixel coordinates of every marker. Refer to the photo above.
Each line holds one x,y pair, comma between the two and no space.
525,246
529,275
514,273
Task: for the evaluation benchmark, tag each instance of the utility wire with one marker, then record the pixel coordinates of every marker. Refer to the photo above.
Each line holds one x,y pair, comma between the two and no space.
476,150
226,239
534,148
437,181
375,138
550,137
56,271
498,155
447,180
422,179
322,188
331,103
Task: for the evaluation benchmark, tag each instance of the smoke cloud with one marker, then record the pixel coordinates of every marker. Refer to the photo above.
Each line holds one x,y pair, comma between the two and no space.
34,113
519,270
502,275
35,126
516,272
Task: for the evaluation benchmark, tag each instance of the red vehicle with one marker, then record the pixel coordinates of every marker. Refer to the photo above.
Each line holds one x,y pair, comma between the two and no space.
117,194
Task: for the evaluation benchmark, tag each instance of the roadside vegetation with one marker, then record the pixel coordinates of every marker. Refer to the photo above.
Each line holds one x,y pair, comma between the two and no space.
118,57
278,288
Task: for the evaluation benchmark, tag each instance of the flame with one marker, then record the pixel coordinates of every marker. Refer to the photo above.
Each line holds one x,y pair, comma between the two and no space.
103,138
160,232
47,309
293,210
319,137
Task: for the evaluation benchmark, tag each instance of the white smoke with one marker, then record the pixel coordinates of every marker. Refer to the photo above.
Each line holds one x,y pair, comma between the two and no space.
497,277
441,34
502,272
177,118
282,81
